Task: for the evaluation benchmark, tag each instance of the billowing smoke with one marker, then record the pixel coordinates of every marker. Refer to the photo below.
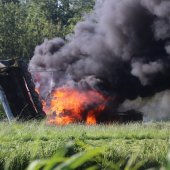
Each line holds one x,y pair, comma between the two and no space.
121,49
154,108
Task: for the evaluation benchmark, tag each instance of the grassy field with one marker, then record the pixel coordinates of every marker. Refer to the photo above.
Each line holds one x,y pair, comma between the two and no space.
141,145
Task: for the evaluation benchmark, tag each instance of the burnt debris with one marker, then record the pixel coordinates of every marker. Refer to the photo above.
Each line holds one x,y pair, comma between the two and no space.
19,90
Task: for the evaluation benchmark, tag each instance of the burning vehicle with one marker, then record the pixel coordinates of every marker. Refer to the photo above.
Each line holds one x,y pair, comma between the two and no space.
67,105
62,106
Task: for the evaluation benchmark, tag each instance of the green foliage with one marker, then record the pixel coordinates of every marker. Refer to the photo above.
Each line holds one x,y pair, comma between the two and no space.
26,23
9,1
88,159
61,161
37,27
11,29
120,146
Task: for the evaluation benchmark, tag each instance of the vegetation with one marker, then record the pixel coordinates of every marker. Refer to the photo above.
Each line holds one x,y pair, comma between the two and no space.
36,145
26,23
101,146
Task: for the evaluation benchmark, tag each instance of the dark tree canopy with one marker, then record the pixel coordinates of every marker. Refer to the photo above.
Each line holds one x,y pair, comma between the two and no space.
9,1
26,23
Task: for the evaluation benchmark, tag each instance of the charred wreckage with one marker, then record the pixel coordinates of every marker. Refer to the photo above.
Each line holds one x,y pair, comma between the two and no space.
17,91
20,99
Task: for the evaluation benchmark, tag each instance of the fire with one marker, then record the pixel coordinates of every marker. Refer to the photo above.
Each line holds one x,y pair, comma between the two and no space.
69,105
91,116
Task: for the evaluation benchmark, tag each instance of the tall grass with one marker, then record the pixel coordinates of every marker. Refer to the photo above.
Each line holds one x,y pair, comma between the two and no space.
22,143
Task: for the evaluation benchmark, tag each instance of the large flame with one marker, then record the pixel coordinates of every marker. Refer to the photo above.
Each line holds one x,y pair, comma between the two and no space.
69,105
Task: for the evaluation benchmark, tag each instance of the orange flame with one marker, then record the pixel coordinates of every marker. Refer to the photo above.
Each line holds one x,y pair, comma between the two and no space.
69,105
91,117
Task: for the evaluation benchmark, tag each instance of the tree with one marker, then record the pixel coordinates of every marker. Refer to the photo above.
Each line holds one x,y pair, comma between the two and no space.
22,27
11,29
26,23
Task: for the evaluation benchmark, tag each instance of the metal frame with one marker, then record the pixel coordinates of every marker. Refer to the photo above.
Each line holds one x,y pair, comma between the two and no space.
5,105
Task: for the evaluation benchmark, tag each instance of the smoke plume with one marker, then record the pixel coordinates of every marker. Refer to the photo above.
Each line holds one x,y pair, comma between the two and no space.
121,49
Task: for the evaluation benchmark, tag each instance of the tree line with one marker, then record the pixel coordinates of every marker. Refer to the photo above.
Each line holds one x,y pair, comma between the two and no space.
26,23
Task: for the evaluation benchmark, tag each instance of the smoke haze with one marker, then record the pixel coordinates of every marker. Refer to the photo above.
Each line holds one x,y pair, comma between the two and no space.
121,49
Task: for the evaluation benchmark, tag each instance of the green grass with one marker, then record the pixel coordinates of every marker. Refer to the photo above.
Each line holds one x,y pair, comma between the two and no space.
22,143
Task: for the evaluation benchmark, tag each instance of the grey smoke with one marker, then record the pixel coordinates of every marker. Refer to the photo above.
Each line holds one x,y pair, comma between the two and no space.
154,108
121,49
145,72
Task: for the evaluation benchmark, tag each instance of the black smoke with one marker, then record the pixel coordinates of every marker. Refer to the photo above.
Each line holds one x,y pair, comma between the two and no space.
121,49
